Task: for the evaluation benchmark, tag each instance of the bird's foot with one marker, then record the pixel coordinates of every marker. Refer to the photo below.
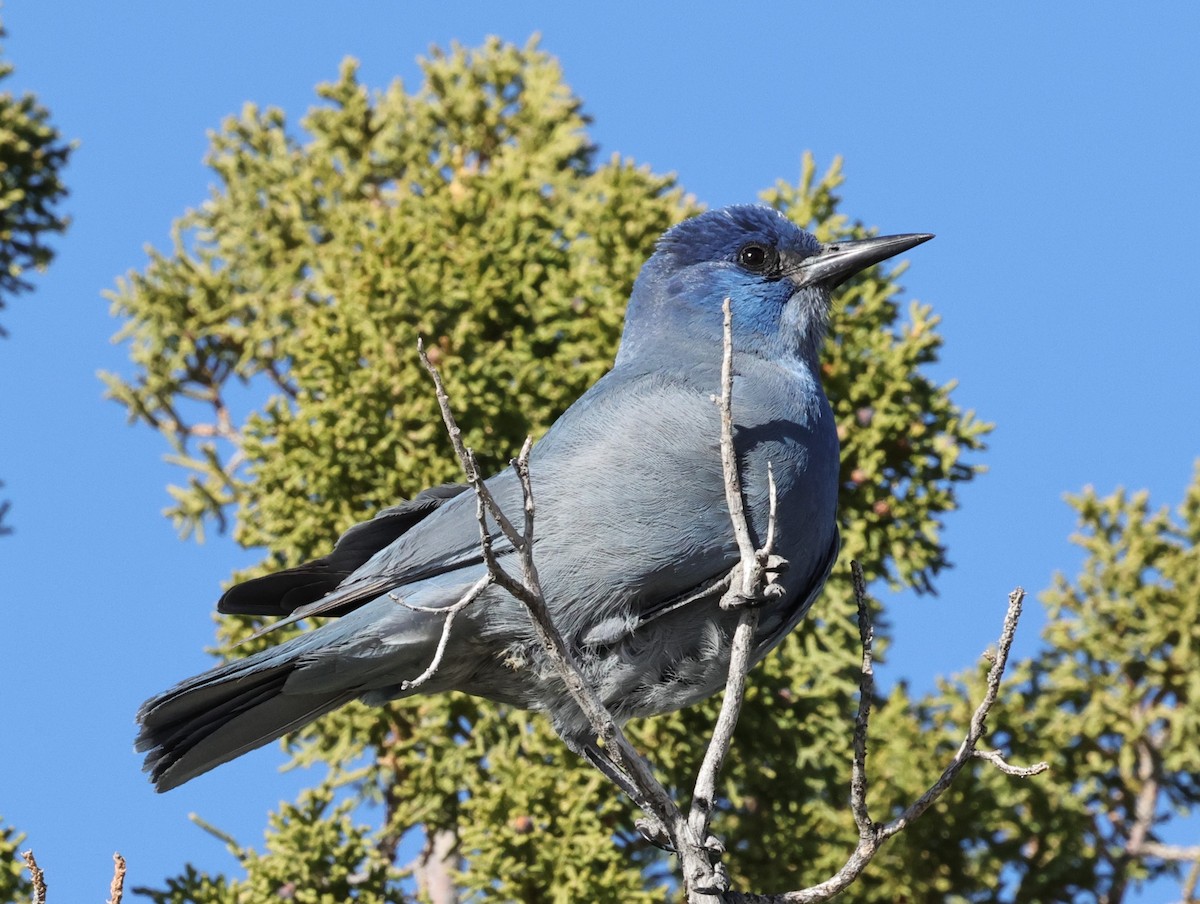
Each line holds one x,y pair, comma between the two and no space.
767,588
651,829
718,883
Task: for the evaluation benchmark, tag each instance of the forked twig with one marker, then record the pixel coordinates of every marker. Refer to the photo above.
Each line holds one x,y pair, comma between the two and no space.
448,613
966,750
872,835
748,594
116,888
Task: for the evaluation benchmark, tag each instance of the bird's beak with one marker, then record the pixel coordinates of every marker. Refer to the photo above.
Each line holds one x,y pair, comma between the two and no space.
838,261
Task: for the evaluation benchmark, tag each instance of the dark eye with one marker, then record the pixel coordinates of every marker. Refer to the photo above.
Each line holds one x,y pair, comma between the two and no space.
755,257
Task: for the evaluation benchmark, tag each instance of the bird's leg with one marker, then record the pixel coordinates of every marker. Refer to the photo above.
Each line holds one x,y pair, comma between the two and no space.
650,826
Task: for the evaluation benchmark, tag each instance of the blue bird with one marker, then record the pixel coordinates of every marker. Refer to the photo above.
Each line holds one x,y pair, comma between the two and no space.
633,545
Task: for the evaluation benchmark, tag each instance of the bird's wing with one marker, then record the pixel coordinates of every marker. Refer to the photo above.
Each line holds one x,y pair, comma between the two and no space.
631,512
288,591
442,538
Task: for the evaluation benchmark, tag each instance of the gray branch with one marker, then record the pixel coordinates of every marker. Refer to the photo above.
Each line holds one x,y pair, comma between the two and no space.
1174,853
747,594
872,835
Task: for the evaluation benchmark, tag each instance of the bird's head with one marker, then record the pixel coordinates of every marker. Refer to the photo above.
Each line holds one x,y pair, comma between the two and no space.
777,277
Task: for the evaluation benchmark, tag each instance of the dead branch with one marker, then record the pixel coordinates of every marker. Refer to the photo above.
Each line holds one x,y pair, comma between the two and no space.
449,613
36,876
1174,853
531,595
651,795
435,865
871,834
996,759
747,594
665,818
116,890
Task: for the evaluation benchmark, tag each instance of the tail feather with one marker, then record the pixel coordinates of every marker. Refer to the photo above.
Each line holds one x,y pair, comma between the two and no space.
212,718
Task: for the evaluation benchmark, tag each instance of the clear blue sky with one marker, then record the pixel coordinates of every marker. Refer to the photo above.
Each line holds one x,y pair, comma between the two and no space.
1054,149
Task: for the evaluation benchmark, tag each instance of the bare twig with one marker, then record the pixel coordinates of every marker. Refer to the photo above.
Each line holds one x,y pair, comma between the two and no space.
966,750
1192,880
116,890
465,456
751,573
37,876
1174,853
873,835
653,797
866,696
449,614
748,594
996,759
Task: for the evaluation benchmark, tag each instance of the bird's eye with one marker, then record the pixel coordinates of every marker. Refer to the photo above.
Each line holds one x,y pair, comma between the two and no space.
755,257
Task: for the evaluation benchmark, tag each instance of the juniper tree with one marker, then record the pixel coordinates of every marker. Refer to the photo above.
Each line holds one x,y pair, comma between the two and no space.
274,348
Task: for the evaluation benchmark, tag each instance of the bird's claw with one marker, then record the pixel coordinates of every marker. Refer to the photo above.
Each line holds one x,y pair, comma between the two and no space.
773,566
767,589
720,881
655,832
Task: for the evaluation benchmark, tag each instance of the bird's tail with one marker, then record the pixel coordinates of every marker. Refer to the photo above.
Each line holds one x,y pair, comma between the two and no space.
220,714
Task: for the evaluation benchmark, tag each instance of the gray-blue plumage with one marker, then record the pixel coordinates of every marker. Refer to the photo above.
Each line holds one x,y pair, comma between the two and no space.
633,536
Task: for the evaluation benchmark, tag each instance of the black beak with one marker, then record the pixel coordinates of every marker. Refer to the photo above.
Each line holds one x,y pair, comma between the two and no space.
838,261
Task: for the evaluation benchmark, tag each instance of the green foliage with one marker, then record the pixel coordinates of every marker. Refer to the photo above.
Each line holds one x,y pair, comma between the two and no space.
314,854
14,882
32,155
1108,702
1111,701
469,213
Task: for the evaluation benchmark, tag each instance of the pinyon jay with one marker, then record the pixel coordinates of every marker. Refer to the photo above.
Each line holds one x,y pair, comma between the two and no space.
634,544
